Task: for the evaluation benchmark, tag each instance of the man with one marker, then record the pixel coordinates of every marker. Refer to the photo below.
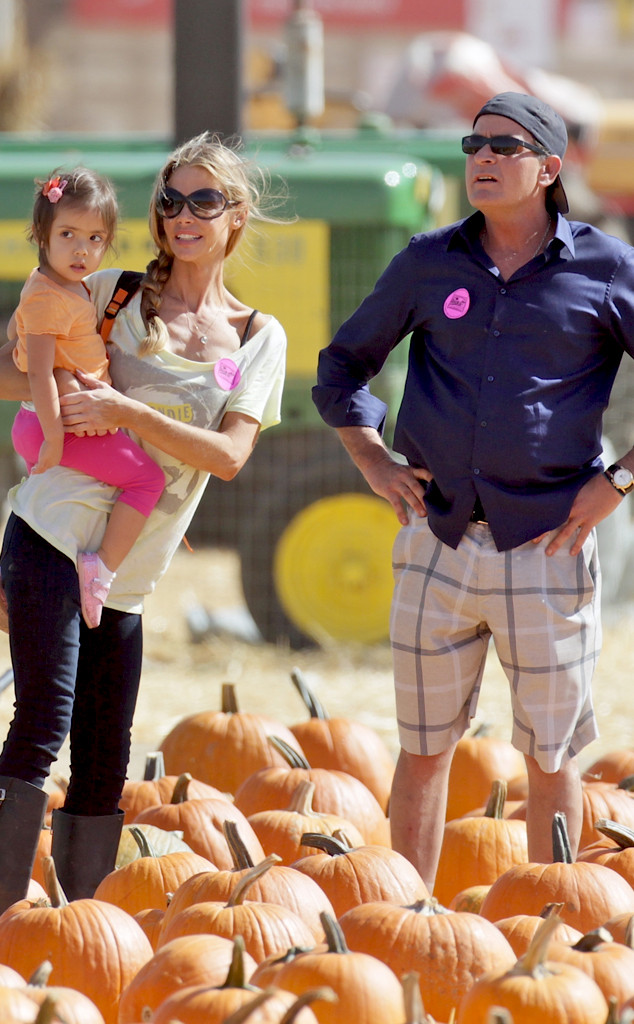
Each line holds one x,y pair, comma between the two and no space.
518,321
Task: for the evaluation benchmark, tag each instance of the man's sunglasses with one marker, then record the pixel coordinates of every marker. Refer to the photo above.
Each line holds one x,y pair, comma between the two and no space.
206,203
501,145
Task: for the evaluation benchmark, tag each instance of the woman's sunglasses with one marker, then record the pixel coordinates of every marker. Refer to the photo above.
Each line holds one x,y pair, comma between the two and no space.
206,203
501,145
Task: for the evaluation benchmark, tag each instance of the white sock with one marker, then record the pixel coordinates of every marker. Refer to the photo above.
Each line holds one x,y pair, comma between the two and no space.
105,575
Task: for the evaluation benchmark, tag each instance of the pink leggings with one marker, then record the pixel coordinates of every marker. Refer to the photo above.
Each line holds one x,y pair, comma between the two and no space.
114,459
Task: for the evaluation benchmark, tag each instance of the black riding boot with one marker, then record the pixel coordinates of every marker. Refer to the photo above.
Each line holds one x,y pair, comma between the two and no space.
84,850
22,810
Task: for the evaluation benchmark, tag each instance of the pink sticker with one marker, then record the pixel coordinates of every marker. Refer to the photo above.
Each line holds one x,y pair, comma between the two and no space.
457,304
227,374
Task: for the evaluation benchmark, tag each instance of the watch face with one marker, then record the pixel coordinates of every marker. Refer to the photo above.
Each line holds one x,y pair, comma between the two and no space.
622,477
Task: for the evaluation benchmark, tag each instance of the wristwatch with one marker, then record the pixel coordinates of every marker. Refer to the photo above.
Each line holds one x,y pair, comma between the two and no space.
622,479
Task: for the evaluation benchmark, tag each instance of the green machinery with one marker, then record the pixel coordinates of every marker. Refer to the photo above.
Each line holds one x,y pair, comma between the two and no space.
313,541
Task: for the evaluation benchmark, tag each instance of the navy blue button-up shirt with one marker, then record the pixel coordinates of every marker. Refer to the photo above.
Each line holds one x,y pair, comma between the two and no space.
507,381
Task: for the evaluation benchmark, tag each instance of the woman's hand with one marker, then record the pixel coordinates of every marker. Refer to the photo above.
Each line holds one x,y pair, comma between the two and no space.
93,411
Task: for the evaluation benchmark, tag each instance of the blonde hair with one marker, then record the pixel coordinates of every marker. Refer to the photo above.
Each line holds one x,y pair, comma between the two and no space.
240,181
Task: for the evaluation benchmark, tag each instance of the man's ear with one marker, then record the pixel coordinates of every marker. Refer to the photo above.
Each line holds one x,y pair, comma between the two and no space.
550,168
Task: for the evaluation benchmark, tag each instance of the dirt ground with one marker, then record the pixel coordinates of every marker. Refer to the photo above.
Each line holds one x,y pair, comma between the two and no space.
181,676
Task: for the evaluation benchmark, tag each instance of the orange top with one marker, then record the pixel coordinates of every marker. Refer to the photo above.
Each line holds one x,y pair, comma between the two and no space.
47,308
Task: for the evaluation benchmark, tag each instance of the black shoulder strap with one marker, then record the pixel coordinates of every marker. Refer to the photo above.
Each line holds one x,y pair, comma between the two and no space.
247,329
126,286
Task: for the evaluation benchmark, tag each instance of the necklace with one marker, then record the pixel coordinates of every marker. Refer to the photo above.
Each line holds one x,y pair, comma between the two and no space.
194,329
514,255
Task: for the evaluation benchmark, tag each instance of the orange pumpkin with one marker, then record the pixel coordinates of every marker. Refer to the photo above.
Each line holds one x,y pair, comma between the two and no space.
344,744
137,795
336,792
469,899
618,855
536,989
589,893
266,928
280,884
519,930
75,937
478,760
610,964
71,1006
281,831
224,747
361,874
201,822
205,1005
477,850
151,921
367,989
449,950
190,960
613,765
146,883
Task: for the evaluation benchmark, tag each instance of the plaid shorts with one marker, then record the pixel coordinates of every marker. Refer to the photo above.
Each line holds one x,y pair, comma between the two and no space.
543,615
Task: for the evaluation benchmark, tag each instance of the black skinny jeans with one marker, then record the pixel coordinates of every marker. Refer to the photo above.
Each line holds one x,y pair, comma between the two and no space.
67,677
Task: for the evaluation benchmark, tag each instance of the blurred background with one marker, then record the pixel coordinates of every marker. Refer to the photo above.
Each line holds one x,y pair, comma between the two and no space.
355,108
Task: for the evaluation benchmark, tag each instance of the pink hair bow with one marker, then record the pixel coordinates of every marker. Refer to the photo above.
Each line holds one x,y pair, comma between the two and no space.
54,189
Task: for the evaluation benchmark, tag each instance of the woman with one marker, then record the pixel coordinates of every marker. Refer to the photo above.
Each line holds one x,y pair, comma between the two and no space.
198,374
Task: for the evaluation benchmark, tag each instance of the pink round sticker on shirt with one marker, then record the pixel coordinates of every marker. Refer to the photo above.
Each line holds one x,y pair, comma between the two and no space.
457,304
227,374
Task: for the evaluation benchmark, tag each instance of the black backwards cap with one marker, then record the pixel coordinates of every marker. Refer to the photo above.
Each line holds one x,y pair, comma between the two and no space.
545,125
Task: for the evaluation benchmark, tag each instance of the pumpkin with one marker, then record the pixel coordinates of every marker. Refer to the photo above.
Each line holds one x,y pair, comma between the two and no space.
93,946
477,850
281,831
224,747
470,899
206,1004
16,1007
200,821
604,800
267,928
362,874
280,884
613,765
609,963
621,928
589,893
336,792
520,929
478,760
367,989
449,950
156,788
190,960
71,1006
343,744
618,855
536,989
151,921
147,882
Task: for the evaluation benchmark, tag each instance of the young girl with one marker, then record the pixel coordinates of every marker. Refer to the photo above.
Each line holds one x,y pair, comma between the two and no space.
74,220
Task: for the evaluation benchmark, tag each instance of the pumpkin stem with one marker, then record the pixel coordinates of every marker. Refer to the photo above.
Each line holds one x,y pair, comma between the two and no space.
592,940
237,847
181,786
497,798
302,798
414,1009
235,976
627,783
532,963
499,1015
629,933
562,853
482,729
250,877
314,706
145,847
334,845
290,755
229,701
550,909
56,894
429,907
154,766
41,974
313,994
244,1012
334,935
621,834
47,1011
